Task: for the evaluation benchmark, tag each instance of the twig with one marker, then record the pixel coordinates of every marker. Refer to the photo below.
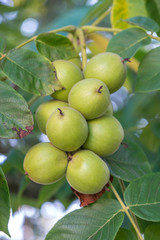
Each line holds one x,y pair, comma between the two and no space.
63,29
32,100
101,17
125,209
123,188
81,37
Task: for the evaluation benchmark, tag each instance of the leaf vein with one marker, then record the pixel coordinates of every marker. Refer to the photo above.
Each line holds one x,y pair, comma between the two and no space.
104,224
143,204
131,45
21,67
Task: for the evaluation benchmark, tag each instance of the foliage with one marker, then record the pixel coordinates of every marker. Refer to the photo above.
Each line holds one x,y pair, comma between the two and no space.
28,78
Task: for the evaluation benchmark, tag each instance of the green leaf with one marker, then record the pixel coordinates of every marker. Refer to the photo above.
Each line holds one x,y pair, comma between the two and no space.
129,162
123,9
3,77
155,125
5,9
144,22
96,10
143,224
14,160
30,71
148,77
65,195
2,44
4,204
157,4
22,201
127,42
152,232
100,220
149,139
23,185
153,8
15,117
142,196
48,191
125,234
55,46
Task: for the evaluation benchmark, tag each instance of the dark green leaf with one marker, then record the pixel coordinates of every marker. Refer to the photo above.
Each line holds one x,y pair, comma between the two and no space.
100,220
143,224
23,185
149,139
22,201
144,22
153,8
142,196
4,204
15,117
2,45
55,46
14,160
157,4
148,77
127,42
152,232
65,195
30,71
3,77
129,162
5,9
125,234
48,191
155,125
96,10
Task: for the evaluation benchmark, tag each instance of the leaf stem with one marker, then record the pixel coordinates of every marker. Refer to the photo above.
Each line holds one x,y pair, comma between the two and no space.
153,37
123,188
93,28
122,185
101,17
75,43
125,209
26,42
32,100
69,28
90,29
3,55
81,37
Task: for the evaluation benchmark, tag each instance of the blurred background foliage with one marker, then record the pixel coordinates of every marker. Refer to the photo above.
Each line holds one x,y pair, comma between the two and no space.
139,113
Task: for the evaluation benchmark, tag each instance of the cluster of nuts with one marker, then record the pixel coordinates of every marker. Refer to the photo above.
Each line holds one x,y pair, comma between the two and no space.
80,125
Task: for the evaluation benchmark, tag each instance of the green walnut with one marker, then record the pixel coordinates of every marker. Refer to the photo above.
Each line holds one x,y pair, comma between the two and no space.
76,61
109,111
91,97
109,68
105,135
87,173
45,164
68,74
45,110
67,129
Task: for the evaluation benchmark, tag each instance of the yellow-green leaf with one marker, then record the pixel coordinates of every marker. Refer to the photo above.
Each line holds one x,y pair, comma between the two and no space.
123,9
